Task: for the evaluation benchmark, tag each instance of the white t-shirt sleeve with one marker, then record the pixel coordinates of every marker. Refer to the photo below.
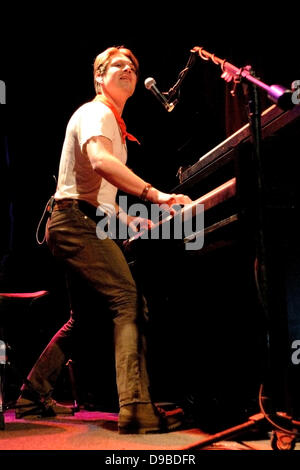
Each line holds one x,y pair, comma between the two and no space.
96,119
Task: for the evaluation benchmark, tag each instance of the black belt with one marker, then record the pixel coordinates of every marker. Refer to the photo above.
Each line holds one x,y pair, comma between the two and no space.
88,209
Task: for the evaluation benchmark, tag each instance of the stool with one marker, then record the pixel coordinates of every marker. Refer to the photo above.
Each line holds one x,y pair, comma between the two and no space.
8,300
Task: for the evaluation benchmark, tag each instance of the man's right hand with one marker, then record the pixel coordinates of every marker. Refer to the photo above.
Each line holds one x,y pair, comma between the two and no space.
157,197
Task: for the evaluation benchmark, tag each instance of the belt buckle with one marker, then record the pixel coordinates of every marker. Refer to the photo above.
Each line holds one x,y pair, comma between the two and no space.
63,203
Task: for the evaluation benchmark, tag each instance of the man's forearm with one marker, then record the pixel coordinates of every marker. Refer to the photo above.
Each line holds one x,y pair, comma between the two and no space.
118,174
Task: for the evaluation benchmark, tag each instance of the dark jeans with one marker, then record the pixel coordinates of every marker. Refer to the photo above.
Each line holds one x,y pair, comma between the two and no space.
71,236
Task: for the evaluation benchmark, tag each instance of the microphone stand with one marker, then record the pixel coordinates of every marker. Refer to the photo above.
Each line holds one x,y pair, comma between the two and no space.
175,89
277,93
283,439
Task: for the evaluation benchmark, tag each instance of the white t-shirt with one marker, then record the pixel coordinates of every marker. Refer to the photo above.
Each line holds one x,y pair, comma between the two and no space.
76,178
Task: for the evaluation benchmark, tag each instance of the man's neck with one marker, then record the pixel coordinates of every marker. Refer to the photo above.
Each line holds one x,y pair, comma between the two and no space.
118,103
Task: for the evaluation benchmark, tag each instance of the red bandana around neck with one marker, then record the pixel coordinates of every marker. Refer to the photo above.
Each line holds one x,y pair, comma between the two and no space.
120,121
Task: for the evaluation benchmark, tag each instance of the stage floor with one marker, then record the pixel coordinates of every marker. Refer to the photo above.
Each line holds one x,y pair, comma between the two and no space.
92,431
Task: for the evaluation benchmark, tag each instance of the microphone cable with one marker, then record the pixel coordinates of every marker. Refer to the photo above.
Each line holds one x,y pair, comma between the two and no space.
48,208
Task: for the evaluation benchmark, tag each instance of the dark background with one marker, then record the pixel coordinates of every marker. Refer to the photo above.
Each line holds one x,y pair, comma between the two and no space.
47,77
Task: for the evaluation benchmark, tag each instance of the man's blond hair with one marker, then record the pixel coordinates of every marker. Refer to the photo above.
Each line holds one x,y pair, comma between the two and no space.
103,60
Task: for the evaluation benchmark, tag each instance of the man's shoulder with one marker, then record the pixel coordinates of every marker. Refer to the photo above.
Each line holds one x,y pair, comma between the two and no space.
90,111
93,107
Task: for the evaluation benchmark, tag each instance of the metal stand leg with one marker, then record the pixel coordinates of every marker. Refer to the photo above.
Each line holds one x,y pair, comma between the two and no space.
70,366
280,440
231,432
2,366
2,423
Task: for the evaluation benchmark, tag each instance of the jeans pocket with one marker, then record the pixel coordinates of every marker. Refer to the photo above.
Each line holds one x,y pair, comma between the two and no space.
63,238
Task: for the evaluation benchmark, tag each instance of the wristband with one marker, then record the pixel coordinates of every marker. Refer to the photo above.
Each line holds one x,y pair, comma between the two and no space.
145,191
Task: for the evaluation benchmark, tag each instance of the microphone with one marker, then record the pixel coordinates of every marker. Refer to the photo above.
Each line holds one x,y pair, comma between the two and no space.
150,84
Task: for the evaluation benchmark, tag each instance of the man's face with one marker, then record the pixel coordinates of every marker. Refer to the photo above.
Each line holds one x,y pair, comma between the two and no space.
120,76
